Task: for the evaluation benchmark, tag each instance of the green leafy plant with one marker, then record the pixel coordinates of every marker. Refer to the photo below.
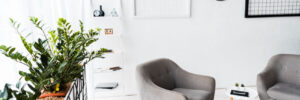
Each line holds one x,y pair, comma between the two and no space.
6,94
18,92
57,58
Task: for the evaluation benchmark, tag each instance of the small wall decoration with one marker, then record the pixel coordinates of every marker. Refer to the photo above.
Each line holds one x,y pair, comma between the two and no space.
99,13
272,8
114,13
109,31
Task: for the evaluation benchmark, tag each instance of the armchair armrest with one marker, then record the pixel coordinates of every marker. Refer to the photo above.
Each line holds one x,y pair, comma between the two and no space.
189,80
264,81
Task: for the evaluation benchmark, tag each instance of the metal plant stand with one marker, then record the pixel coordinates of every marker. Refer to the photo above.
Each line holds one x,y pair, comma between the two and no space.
78,90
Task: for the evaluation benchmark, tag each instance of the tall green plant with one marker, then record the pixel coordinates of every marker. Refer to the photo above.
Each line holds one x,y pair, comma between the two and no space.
58,57
18,92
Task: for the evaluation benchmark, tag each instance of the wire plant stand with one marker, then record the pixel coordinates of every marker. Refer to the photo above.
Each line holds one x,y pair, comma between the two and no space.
78,90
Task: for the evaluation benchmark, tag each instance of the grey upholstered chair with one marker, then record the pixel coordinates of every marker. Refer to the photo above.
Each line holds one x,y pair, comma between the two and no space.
281,79
162,79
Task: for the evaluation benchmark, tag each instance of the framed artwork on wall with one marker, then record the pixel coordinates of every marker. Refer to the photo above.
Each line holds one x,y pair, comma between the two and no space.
272,8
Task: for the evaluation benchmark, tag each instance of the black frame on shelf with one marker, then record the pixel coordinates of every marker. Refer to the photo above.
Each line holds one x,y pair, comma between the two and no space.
247,2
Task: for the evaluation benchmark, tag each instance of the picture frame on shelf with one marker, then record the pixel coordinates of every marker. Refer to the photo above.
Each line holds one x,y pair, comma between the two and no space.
108,31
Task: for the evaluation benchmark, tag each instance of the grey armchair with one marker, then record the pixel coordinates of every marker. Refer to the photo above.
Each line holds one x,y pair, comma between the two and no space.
162,79
281,78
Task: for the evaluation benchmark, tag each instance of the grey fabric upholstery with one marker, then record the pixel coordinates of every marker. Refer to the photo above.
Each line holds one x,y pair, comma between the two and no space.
281,78
163,79
284,91
192,94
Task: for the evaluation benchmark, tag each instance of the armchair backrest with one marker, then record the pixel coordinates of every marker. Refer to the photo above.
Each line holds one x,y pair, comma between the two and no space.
288,68
160,72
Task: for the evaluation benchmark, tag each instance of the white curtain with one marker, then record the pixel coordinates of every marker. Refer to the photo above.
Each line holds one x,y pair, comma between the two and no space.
20,10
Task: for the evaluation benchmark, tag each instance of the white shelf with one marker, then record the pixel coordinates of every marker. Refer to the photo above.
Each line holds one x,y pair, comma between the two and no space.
115,35
121,97
111,74
109,93
105,18
106,69
103,37
114,42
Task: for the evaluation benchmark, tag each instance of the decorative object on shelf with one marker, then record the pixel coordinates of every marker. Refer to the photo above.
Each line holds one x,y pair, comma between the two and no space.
110,51
115,68
271,8
114,13
109,85
109,31
56,59
99,13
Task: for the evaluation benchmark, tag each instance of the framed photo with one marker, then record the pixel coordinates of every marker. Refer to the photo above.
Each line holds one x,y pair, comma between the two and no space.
272,8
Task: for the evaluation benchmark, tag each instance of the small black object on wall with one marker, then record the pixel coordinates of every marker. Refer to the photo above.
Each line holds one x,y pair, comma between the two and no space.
272,8
99,13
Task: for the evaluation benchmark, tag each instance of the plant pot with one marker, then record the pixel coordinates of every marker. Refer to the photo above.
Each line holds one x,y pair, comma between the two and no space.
52,98
47,95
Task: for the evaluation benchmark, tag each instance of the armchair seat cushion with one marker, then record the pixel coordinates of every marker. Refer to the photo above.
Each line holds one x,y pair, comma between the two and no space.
192,94
284,91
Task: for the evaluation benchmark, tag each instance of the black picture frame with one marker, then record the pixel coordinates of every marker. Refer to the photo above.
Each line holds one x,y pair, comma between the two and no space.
247,15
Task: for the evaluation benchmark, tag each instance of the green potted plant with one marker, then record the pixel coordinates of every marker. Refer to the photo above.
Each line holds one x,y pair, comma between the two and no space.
18,92
56,59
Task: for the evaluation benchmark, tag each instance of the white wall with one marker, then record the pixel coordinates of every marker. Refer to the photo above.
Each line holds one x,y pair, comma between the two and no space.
217,40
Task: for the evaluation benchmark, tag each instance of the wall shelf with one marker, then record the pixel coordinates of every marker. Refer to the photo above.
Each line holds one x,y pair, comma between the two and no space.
112,41
101,70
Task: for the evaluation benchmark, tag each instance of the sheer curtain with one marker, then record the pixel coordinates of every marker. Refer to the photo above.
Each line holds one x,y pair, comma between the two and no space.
20,10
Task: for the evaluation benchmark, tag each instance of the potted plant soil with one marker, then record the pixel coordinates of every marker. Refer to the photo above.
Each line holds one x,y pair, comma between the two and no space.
55,60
